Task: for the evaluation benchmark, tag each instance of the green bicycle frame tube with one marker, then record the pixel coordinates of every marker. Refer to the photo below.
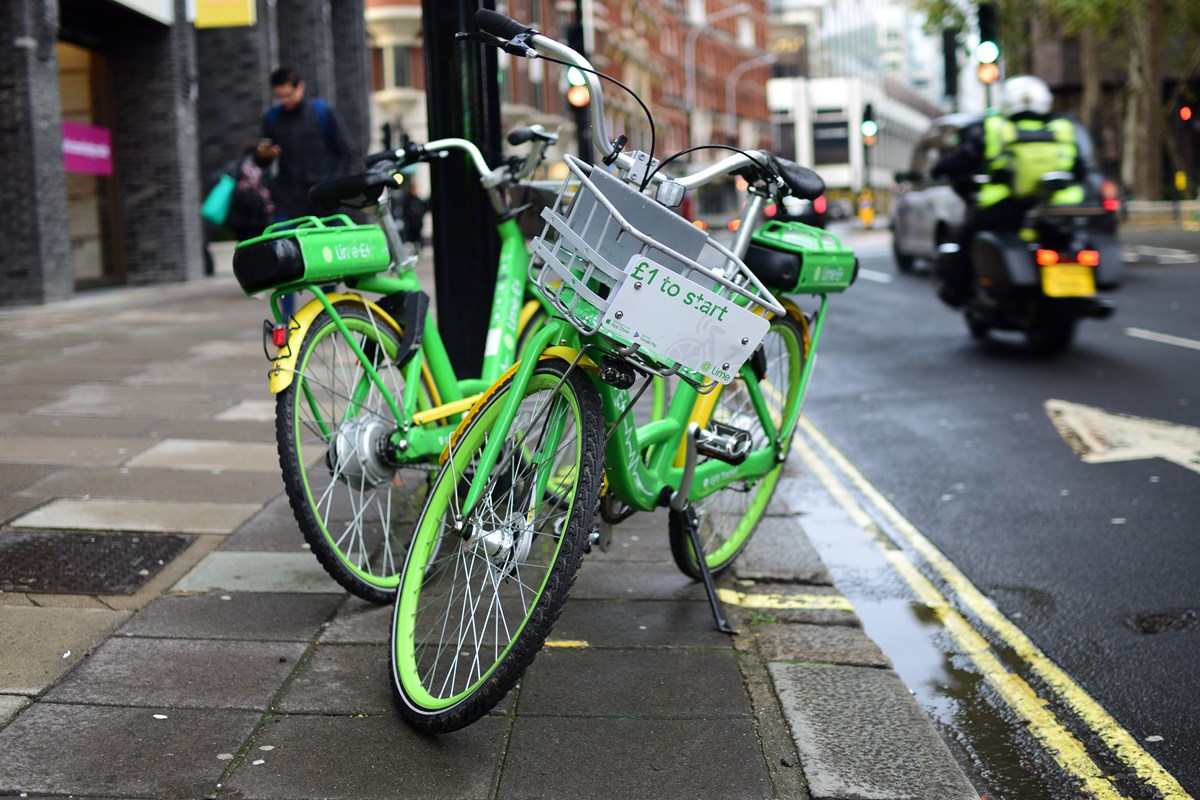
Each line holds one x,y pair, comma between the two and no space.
511,277
553,332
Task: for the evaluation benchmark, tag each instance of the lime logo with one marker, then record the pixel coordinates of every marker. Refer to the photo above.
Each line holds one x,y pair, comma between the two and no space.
328,254
706,366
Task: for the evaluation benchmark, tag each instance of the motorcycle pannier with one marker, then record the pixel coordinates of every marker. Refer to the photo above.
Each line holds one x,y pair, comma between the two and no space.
799,259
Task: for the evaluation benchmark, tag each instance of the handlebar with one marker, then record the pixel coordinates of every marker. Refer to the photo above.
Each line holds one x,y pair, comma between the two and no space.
522,40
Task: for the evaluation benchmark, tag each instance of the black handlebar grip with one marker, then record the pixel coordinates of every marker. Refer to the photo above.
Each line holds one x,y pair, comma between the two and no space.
520,136
499,25
383,155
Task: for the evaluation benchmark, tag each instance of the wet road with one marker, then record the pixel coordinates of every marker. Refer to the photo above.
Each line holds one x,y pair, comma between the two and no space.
1096,563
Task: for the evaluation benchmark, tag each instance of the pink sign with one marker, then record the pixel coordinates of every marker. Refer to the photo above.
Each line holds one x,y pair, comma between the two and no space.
87,149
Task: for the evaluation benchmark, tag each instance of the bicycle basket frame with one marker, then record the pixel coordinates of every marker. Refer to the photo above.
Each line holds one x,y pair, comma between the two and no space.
602,272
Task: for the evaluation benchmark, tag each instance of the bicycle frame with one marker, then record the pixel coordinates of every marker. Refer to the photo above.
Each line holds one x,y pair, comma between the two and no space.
421,441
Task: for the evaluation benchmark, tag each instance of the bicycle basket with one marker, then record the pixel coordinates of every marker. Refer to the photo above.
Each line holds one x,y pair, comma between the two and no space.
669,296
310,250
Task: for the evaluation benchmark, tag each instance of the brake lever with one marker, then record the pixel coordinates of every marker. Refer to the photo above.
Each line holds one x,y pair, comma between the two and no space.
515,46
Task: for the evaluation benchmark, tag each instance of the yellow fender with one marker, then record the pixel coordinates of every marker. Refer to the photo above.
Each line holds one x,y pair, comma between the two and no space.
283,367
703,408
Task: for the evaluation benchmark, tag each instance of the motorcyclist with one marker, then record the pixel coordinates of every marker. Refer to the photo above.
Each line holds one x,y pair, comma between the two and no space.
1012,150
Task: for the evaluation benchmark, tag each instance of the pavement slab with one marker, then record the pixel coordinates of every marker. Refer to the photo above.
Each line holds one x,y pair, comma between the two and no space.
181,673
15,477
634,683
666,759
104,400
780,551
202,454
13,507
649,623
259,572
244,616
342,679
10,706
177,485
352,757
273,529
841,644
53,749
46,425
610,579
103,514
256,410
360,622
39,645
860,735
73,450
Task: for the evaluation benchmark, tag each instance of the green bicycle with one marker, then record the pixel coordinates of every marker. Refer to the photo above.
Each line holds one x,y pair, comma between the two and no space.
366,395
637,292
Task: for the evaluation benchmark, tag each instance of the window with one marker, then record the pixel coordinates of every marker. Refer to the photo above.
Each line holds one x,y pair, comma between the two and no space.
401,66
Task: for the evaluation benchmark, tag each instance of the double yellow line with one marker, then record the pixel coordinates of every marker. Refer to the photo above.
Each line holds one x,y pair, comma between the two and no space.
1059,742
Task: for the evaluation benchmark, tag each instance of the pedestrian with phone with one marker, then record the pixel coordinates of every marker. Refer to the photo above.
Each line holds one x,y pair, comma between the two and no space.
308,140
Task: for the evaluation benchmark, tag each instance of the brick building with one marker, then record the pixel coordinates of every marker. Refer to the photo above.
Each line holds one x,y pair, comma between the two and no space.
642,44
112,112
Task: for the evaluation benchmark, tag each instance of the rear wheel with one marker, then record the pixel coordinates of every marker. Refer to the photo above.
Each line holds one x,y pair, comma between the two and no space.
355,509
728,517
1053,329
480,593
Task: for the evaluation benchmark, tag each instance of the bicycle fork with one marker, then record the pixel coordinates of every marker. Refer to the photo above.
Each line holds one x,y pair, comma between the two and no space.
680,504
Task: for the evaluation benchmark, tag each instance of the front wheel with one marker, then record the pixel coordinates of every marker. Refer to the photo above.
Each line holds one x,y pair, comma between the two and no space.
480,591
728,517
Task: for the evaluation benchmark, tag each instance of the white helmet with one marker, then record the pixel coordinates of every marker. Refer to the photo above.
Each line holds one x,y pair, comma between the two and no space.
1026,94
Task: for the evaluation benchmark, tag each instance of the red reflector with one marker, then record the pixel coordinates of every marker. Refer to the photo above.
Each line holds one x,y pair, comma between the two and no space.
279,336
770,210
1046,258
819,205
1089,258
1112,204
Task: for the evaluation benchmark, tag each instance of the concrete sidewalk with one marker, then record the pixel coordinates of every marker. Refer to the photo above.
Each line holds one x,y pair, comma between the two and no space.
238,669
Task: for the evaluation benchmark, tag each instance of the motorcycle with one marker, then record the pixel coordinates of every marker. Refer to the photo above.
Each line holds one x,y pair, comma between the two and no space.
1043,279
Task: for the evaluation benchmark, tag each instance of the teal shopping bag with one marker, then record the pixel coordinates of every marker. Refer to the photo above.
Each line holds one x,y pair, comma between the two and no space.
216,205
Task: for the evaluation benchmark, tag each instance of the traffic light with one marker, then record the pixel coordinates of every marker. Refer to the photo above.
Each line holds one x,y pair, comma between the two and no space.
988,51
869,127
1185,113
577,91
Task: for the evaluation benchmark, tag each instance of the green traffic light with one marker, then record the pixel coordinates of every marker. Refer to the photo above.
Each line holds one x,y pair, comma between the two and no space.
575,76
987,52
869,127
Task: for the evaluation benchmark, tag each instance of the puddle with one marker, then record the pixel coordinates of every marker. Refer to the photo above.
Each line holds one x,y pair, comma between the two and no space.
1001,758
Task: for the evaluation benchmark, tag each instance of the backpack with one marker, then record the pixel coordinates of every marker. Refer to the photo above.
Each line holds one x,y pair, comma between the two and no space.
324,117
1027,149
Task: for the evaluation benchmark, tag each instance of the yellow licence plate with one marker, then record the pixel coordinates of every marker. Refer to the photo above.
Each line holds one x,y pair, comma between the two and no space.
1068,280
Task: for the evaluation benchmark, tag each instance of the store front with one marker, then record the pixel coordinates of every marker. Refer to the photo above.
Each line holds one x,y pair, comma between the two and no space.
94,212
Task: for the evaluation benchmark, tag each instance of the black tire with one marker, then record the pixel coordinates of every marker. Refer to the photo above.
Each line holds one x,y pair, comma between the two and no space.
356,511
502,573
1053,330
728,517
904,263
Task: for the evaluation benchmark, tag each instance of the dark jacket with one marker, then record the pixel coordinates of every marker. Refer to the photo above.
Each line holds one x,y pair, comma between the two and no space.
310,152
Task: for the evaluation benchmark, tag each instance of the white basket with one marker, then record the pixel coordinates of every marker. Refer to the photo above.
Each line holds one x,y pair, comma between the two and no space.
671,297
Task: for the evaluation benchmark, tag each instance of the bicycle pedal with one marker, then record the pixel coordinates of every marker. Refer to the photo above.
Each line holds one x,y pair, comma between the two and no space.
724,443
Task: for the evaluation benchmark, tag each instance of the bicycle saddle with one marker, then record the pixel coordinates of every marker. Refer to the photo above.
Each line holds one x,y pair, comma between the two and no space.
803,182
356,191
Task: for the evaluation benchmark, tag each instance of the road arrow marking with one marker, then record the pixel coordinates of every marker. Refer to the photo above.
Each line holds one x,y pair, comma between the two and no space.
1099,436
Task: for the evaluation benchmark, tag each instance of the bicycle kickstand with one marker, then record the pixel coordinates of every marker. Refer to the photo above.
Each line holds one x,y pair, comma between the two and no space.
687,515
